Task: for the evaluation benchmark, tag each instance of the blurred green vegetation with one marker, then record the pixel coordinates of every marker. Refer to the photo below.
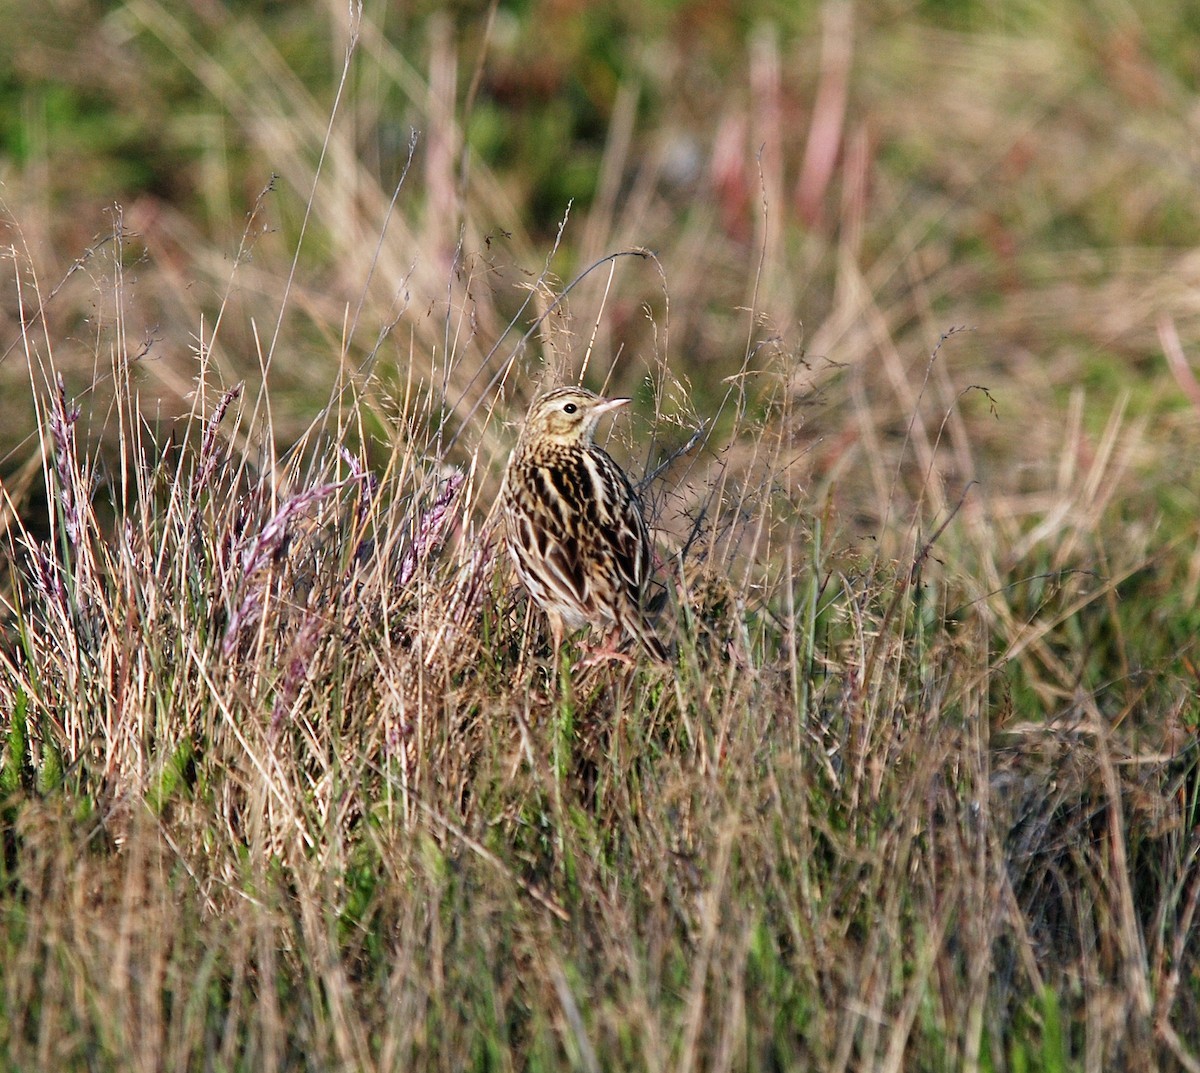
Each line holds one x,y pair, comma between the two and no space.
110,109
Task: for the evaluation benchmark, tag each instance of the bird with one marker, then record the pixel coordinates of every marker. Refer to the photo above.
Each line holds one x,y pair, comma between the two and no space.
574,525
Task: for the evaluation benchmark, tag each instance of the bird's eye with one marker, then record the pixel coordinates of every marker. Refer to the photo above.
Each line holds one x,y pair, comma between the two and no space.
570,408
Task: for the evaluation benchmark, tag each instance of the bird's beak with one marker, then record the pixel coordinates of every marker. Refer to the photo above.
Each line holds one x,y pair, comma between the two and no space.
608,405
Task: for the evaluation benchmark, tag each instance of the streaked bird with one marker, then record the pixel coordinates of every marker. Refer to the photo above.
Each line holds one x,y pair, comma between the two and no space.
574,525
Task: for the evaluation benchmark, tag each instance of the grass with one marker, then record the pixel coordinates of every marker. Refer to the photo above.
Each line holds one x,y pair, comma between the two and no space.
287,779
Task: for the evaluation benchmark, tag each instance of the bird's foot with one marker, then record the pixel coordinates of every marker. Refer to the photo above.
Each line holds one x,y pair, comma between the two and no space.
597,656
607,651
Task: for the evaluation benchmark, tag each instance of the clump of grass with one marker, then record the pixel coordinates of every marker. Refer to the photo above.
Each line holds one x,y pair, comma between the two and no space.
288,778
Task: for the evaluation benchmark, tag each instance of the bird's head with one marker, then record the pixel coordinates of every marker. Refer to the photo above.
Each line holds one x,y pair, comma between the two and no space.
568,416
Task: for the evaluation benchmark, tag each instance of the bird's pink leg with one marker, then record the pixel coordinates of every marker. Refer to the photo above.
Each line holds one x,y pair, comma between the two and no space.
607,651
